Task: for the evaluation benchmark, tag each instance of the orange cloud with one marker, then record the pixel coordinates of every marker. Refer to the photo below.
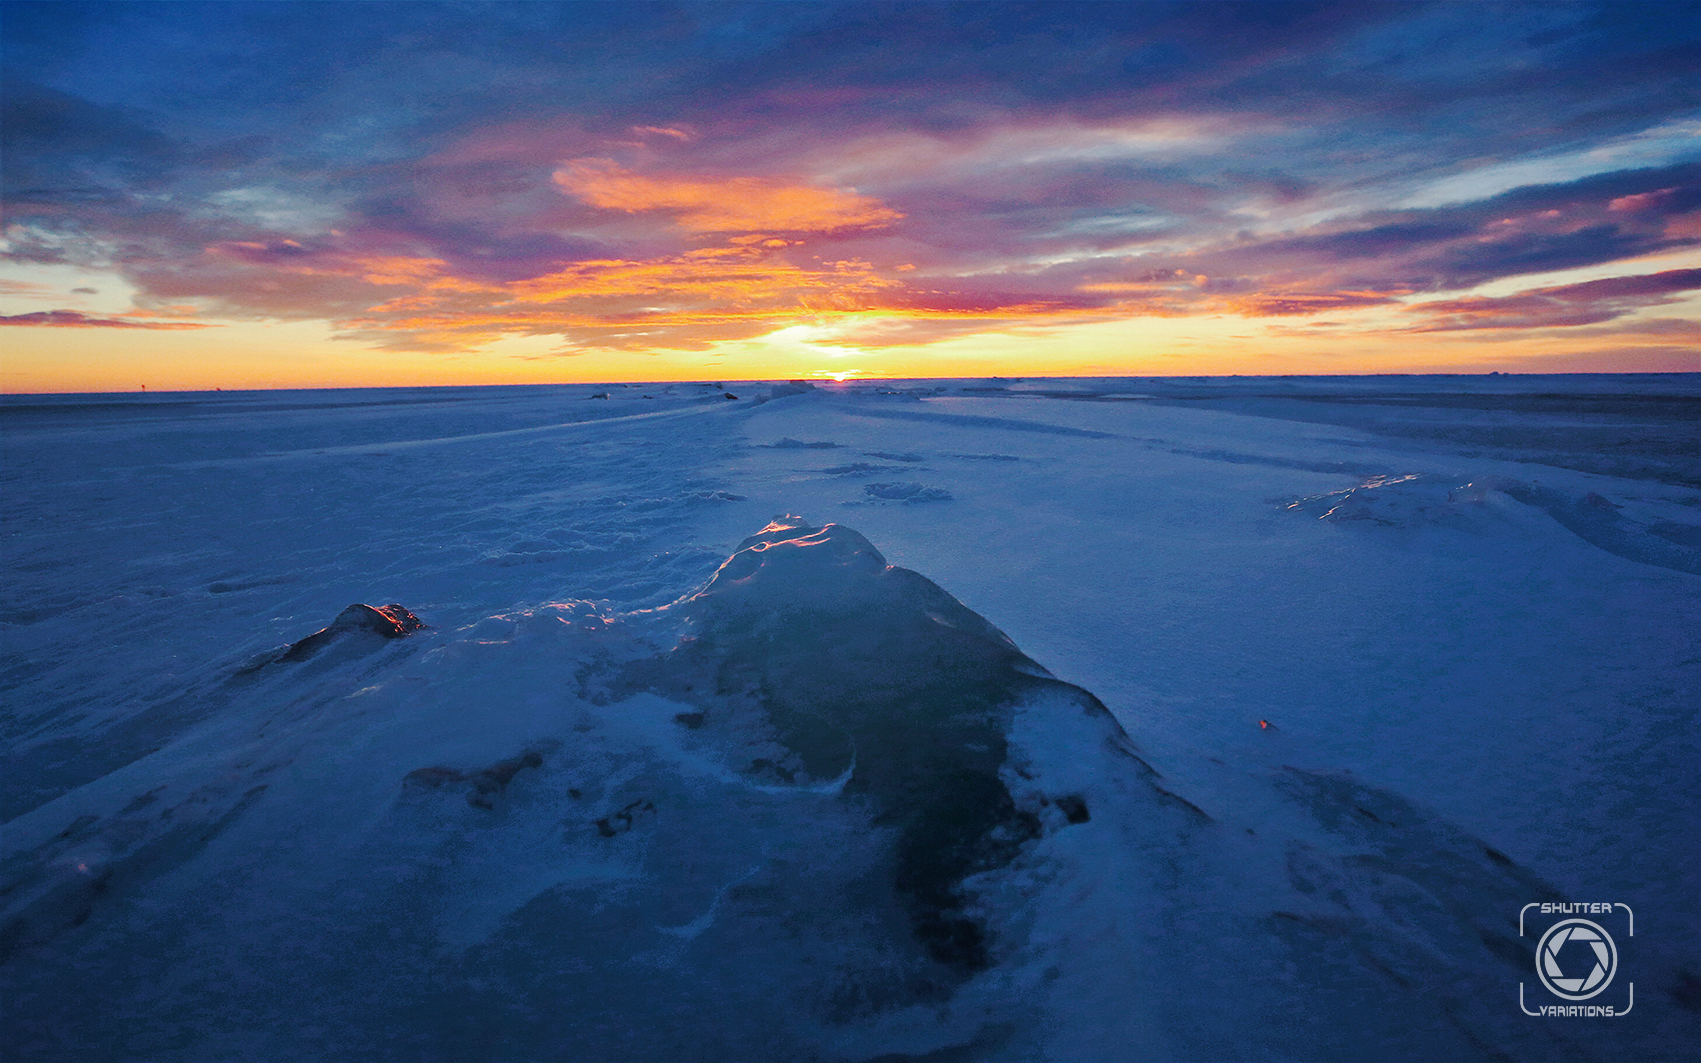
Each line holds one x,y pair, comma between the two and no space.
1126,288
680,302
733,204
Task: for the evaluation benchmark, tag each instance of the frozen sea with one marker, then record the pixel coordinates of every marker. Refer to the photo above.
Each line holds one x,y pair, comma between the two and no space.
990,720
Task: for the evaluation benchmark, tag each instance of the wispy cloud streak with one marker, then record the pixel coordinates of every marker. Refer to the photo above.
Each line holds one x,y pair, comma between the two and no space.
75,319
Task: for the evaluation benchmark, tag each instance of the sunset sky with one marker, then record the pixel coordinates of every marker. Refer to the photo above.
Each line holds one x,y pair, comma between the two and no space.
237,195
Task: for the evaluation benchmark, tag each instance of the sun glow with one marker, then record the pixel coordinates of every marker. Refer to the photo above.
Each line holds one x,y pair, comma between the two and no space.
805,343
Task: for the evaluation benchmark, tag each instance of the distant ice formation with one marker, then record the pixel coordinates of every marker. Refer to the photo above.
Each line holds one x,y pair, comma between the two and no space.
905,491
1419,500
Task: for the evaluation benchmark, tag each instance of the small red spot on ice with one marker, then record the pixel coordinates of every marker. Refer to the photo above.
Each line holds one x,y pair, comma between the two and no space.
1264,724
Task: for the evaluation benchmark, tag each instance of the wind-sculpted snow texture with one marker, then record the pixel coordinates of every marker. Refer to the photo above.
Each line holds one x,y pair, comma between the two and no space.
622,781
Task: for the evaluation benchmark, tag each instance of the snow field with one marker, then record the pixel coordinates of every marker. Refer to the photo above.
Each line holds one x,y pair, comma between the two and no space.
543,823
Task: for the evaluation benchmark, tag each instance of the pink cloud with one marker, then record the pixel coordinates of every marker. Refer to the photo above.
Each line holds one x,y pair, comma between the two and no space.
1569,305
1292,304
1642,201
74,319
683,135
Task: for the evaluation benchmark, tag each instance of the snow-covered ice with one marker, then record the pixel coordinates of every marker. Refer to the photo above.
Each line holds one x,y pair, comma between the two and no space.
972,720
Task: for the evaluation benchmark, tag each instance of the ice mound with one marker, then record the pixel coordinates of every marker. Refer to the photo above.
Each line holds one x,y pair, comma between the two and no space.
905,492
787,390
857,468
1483,504
874,674
788,443
1406,501
391,621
